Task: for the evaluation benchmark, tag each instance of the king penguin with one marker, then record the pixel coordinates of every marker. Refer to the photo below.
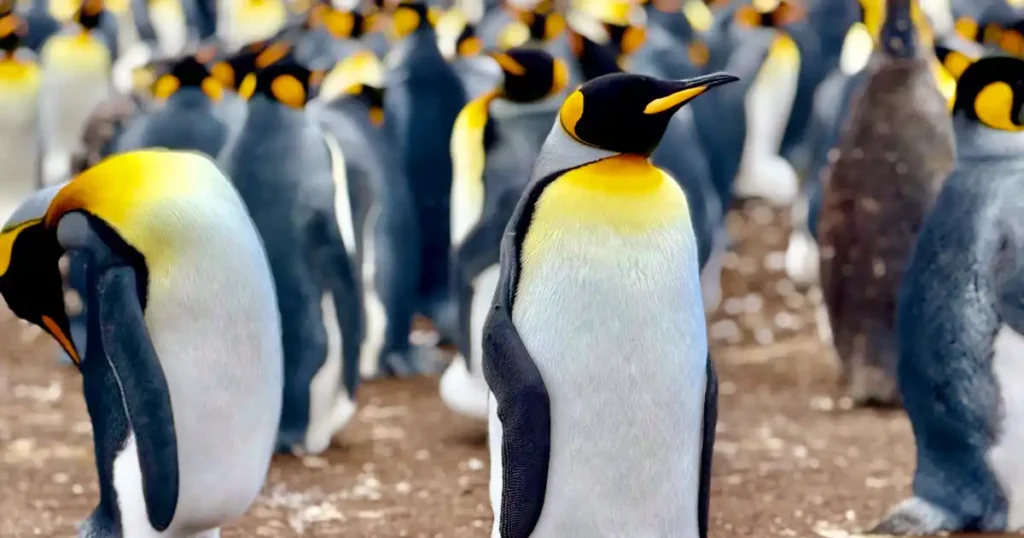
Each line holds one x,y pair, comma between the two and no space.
893,157
462,47
599,266
76,79
244,21
162,25
184,349
20,81
186,116
424,96
497,138
291,177
961,319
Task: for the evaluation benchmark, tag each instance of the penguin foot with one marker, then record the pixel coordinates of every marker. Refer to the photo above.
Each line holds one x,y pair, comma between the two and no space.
322,429
916,517
463,392
802,258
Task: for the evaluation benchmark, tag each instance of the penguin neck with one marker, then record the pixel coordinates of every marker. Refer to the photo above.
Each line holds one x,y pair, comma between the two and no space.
190,97
560,152
265,113
976,141
899,36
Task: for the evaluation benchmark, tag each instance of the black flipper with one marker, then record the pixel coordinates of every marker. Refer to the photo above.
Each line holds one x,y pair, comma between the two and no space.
146,397
707,448
524,408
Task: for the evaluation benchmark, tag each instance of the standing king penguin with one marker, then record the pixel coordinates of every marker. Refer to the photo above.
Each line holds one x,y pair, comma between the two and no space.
184,347
961,317
893,157
423,99
497,138
594,429
292,179
20,80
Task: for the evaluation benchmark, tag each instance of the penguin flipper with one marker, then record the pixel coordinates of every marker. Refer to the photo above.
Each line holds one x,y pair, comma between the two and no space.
707,448
125,342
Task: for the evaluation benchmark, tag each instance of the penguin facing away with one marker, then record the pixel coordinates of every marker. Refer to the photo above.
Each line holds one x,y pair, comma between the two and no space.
76,78
895,153
600,231
184,352
494,145
459,44
424,96
960,319
20,81
291,178
187,117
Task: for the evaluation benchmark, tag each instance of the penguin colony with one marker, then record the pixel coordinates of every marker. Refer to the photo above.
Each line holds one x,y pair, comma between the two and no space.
228,214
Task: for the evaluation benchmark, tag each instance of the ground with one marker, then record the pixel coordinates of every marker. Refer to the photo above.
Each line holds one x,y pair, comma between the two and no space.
791,457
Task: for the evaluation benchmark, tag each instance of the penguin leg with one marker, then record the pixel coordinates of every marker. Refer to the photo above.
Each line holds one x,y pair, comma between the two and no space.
802,256
711,274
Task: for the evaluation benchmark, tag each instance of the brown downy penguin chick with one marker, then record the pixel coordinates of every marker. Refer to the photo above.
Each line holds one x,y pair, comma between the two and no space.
894,155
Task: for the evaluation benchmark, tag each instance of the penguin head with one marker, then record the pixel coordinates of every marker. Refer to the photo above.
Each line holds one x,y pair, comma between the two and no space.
12,29
230,72
530,75
623,24
595,58
410,16
991,91
769,14
347,24
956,54
89,14
286,82
628,113
541,23
187,72
1006,35
360,76
456,35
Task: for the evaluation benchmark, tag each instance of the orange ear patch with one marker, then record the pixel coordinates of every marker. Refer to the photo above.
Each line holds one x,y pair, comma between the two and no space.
788,13
273,54
288,91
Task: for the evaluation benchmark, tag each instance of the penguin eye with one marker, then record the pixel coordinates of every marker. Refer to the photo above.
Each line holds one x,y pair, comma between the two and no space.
288,91
994,107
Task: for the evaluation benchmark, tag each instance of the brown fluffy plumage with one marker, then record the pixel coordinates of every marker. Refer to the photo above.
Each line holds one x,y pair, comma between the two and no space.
892,159
109,118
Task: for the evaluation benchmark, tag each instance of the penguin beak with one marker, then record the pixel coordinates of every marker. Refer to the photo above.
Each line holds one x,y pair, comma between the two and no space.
678,93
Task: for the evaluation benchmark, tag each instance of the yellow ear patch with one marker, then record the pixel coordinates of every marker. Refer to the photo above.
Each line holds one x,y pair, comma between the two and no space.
560,77
143,79
288,91
433,15
272,54
632,39
165,86
509,64
376,116
1012,42
554,25
994,107
955,62
698,14
660,105
699,53
340,24
405,21
248,86
747,16
223,72
571,112
471,46
8,25
966,28
212,88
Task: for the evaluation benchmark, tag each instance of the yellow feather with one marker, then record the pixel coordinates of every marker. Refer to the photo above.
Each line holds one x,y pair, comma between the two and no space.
468,159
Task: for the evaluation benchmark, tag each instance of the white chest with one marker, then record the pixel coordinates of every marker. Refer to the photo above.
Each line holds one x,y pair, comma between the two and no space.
1005,457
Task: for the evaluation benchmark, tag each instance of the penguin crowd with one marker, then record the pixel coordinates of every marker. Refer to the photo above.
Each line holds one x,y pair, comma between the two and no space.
230,213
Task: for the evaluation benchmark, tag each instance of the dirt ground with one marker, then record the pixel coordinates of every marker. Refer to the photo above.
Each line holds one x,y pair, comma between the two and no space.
791,458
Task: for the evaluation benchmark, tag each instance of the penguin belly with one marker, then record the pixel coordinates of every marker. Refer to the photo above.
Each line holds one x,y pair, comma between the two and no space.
763,172
613,320
1004,456
225,382
19,145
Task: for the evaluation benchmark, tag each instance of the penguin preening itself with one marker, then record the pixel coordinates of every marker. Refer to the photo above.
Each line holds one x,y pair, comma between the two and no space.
76,78
292,179
184,351
496,140
599,266
186,116
424,96
960,319
894,155
20,81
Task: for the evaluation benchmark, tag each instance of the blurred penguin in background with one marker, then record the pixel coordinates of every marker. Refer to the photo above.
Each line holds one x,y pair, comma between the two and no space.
424,96
245,21
496,140
163,25
292,179
892,159
40,21
331,33
670,31
960,319
350,106
20,82
537,24
459,44
76,78
185,115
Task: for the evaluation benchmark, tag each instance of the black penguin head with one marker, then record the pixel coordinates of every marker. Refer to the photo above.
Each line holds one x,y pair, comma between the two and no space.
285,81
89,14
530,74
456,35
769,14
543,22
12,29
187,72
594,59
345,24
231,71
410,16
628,113
373,98
991,91
956,54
